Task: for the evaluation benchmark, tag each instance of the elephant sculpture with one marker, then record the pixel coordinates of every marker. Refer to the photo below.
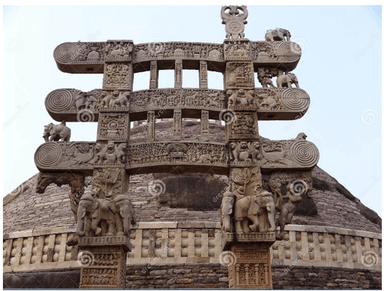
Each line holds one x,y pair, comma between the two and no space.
53,132
285,80
277,34
227,210
125,215
259,209
91,212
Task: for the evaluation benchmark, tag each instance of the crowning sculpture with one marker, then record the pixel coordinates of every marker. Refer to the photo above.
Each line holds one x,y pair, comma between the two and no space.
265,178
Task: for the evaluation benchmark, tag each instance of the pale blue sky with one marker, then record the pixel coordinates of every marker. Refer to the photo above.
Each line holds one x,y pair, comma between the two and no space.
340,69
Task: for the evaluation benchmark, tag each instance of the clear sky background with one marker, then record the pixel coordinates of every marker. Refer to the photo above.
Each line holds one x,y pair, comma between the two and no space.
340,69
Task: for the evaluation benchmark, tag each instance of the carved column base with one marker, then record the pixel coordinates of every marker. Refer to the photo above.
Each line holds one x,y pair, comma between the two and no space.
103,262
251,266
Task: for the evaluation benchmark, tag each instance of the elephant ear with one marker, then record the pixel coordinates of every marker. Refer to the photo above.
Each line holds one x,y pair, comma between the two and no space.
112,206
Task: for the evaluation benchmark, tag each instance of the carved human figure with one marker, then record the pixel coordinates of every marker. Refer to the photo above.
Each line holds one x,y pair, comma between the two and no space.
57,132
294,191
264,76
125,215
278,34
285,80
258,209
226,210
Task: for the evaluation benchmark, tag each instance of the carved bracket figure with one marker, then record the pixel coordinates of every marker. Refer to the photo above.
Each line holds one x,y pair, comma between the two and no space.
278,34
57,132
294,191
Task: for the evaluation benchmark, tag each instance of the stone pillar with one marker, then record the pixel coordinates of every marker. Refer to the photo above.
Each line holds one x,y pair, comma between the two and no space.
246,238
154,76
178,73
203,75
151,125
103,261
103,230
177,124
204,125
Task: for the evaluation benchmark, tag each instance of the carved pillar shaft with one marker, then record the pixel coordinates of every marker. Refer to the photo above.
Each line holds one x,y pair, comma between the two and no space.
103,261
154,77
178,74
177,123
203,75
251,267
204,125
151,125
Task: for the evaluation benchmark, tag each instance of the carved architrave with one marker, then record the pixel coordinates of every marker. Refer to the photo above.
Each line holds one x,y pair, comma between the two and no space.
160,99
275,52
243,126
197,153
118,50
113,126
171,50
295,153
252,269
239,75
237,50
117,76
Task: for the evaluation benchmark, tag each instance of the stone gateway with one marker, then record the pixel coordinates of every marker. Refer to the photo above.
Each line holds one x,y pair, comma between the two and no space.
250,242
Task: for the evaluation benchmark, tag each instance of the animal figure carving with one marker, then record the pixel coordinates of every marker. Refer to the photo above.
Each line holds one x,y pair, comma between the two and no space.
57,132
277,34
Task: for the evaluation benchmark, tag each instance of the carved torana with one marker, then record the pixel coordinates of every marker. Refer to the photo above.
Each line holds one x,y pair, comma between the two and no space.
267,178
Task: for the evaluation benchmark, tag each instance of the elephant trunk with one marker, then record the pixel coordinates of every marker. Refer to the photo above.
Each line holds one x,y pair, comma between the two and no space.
80,223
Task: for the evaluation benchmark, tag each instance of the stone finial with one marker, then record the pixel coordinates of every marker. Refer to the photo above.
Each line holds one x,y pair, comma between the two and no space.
234,21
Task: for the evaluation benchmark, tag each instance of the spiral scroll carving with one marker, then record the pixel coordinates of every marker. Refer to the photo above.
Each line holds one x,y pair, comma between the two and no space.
305,153
66,53
284,50
61,100
48,154
295,99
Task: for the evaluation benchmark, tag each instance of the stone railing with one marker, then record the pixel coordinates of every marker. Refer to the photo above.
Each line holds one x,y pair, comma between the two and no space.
162,243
